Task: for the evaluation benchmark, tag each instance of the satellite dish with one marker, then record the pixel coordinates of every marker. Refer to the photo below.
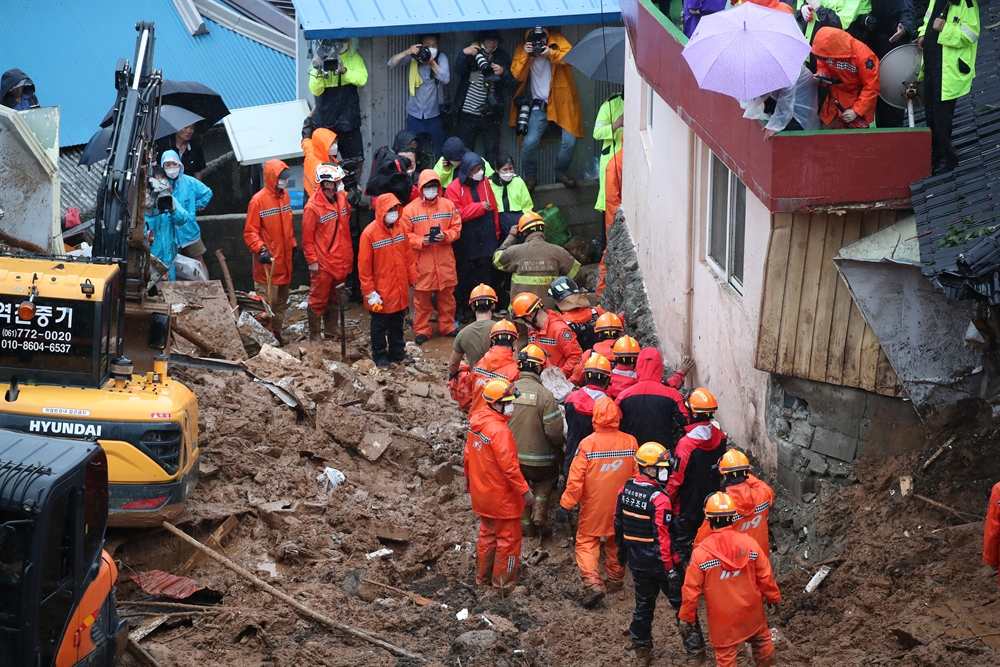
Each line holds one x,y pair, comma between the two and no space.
898,72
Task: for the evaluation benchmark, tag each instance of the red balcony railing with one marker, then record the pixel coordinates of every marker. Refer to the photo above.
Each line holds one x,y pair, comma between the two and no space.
792,171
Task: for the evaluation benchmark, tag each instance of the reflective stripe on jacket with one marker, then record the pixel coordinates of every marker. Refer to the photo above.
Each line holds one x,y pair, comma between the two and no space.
385,260
326,234
959,42
537,423
491,468
435,261
269,224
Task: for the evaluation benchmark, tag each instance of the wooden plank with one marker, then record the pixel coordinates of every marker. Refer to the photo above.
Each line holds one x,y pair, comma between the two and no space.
868,348
825,298
870,351
214,541
842,305
774,292
793,293
815,247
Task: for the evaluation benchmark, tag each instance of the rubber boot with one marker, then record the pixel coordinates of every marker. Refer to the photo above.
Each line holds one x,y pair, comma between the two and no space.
276,327
315,332
694,644
330,324
593,594
643,656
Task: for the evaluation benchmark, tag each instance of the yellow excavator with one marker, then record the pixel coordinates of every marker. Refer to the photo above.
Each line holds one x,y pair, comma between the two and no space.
68,327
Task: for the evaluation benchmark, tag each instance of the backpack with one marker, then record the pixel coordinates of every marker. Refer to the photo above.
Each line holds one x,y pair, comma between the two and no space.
388,174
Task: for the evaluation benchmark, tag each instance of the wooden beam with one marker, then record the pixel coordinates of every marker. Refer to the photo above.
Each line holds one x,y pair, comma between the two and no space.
214,540
773,292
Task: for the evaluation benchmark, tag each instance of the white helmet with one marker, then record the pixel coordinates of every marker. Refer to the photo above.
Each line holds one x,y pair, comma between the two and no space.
329,172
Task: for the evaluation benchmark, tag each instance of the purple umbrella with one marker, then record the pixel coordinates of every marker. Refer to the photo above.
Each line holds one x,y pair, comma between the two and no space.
746,51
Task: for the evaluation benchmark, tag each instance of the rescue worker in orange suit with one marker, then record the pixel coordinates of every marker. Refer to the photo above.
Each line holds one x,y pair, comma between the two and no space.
537,425
579,406
534,261
326,244
499,492
387,273
270,237
642,522
732,571
651,410
608,328
578,309
498,362
753,498
319,148
433,254
604,462
696,471
549,331
840,56
612,200
624,354
991,537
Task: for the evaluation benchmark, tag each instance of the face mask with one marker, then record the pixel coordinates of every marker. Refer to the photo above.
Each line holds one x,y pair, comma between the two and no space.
430,193
478,176
342,47
508,409
409,172
340,186
434,52
333,150
172,172
282,183
508,177
662,474
391,217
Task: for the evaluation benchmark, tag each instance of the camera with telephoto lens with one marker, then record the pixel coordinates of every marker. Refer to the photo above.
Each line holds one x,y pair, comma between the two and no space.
537,40
423,55
523,114
483,63
331,64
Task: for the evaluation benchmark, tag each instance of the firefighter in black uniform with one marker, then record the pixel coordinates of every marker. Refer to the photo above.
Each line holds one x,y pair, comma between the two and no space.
642,523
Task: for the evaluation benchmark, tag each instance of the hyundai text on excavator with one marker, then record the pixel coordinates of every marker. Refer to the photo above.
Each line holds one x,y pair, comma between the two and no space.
69,325
57,595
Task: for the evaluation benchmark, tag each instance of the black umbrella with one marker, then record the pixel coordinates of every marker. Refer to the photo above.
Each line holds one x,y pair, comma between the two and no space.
171,119
600,55
190,95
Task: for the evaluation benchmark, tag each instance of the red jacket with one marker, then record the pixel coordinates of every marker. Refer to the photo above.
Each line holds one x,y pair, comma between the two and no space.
498,362
491,467
435,261
840,56
385,260
269,224
733,573
691,482
652,411
622,377
326,235
991,537
603,348
317,151
559,343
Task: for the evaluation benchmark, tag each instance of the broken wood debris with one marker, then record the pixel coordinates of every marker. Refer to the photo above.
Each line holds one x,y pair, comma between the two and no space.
818,578
295,604
214,540
963,516
419,599
938,452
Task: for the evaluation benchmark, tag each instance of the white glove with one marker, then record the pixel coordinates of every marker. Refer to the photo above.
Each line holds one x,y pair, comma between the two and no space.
814,4
314,267
806,12
373,298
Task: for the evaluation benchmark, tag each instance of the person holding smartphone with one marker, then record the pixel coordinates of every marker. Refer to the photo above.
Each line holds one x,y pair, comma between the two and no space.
431,224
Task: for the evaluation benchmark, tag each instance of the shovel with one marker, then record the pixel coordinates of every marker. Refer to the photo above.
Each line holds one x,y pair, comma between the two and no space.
341,306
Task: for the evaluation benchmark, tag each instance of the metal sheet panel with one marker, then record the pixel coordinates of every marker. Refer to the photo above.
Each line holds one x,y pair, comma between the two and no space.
73,67
29,185
271,131
325,19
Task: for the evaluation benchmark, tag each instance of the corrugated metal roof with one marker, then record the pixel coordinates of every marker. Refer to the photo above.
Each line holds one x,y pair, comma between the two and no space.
325,19
78,185
956,211
70,50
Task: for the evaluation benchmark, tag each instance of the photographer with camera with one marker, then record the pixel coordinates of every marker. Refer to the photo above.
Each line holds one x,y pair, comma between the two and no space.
164,218
336,74
547,94
428,77
483,71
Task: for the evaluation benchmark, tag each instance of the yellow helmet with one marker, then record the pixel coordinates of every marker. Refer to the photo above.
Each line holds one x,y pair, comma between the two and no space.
652,454
733,461
499,390
719,505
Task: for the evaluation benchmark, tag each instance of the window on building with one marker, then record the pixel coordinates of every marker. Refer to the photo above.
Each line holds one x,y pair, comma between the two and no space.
727,204
650,98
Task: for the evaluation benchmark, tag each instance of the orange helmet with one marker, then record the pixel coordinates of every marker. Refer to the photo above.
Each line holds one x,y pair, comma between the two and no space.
625,347
719,505
734,461
500,390
525,304
609,323
530,221
702,401
597,365
652,454
531,354
482,292
504,328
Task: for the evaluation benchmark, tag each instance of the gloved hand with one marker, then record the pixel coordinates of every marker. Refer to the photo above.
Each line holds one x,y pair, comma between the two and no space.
373,298
562,515
687,363
674,580
314,268
806,13
264,256
529,498
685,627
623,557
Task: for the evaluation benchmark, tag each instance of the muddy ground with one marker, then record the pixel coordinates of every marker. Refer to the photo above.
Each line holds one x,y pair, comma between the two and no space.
907,586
